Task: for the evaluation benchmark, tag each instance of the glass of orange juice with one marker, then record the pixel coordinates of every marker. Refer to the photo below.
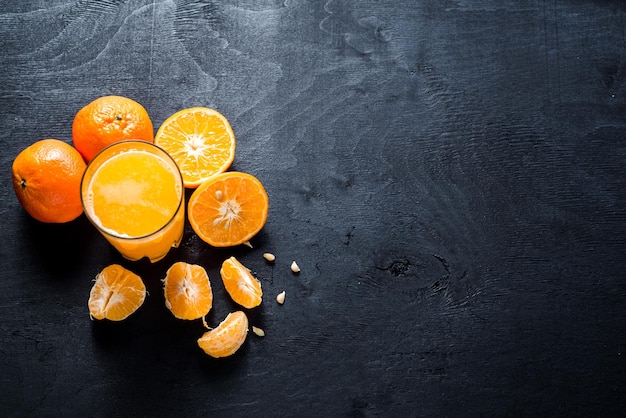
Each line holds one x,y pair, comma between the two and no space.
133,193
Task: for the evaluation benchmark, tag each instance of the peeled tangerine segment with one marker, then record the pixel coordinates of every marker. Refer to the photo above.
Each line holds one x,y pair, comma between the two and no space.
188,293
116,293
226,339
240,284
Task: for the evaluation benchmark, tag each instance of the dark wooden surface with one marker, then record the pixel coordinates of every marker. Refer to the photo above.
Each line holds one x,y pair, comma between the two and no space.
449,175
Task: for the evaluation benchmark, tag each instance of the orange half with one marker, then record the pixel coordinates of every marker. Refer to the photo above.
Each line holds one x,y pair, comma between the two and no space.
226,339
116,293
200,140
240,284
187,289
228,209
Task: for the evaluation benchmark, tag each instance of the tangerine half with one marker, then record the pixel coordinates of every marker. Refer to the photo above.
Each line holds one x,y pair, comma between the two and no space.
228,209
200,140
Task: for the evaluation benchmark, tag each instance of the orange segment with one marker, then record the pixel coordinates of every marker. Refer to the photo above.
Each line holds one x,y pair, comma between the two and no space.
228,209
229,335
187,291
242,287
116,293
201,142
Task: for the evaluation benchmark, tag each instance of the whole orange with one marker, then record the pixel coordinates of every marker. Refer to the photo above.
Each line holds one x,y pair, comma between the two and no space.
46,179
107,120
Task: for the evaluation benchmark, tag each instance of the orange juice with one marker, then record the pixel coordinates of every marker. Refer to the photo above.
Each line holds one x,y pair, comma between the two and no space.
133,192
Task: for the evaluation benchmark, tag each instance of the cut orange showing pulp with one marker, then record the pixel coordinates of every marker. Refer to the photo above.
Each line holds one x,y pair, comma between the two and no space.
116,293
240,284
226,339
228,209
200,140
188,293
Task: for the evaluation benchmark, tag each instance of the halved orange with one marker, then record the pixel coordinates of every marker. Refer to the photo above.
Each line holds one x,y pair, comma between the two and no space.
240,284
200,140
116,293
228,209
188,293
226,339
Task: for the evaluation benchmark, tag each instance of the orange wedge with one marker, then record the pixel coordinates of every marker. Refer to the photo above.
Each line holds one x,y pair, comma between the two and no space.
228,209
240,284
200,140
188,293
116,293
226,339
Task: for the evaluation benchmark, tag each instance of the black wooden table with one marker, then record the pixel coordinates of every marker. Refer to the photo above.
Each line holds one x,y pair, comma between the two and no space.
449,175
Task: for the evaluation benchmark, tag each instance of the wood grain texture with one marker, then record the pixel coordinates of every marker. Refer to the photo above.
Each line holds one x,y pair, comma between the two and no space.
449,176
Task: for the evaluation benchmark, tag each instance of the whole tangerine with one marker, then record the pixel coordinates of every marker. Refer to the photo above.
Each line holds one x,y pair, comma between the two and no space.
46,179
107,120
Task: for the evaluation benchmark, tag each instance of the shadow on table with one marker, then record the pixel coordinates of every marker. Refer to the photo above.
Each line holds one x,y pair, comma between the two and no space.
60,247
